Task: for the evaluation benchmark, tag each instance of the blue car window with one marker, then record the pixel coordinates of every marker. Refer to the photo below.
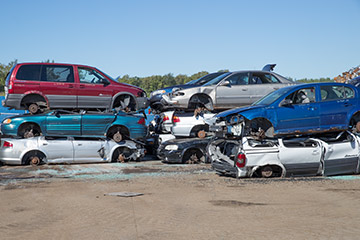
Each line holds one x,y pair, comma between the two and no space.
331,93
304,95
349,93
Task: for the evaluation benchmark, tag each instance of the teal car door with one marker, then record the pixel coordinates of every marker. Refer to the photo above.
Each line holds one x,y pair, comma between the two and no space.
95,124
63,123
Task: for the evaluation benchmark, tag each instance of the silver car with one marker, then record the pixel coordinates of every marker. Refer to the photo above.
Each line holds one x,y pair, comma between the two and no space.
67,150
190,125
229,90
286,157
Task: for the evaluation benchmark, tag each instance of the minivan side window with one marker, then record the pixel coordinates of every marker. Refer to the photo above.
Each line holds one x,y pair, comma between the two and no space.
57,74
29,72
87,75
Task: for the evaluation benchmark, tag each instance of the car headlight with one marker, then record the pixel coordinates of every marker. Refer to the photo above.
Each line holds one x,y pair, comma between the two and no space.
171,147
161,91
7,121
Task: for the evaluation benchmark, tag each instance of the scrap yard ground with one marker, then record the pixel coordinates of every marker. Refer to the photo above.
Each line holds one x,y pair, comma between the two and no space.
178,202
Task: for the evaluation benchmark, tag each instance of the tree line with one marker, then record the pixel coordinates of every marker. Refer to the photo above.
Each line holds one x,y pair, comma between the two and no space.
153,82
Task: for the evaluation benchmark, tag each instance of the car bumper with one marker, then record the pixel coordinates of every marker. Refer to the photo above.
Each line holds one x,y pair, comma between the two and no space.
170,156
224,168
12,101
174,102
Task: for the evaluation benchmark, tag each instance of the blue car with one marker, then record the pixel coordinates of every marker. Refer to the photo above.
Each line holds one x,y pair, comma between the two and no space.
295,110
116,126
156,96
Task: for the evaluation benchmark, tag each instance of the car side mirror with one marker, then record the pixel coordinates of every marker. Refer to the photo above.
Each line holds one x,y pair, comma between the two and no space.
57,114
225,83
105,82
286,102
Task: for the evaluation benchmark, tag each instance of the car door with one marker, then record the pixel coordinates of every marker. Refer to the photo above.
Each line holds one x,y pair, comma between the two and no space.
300,157
342,155
261,84
95,124
57,83
336,103
299,115
57,149
63,123
88,150
94,89
236,93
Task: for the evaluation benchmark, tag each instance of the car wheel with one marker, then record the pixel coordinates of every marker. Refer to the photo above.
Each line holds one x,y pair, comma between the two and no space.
193,157
33,108
30,131
267,171
201,134
357,127
34,161
117,137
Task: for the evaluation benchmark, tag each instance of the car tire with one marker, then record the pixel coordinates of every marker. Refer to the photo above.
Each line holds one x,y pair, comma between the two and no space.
193,156
267,172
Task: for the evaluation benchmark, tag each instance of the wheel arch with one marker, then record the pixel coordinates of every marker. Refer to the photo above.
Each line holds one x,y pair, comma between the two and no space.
26,123
257,168
33,94
192,148
117,95
26,154
201,95
118,126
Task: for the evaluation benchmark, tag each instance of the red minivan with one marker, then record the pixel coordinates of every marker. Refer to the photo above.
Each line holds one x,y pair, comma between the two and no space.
37,86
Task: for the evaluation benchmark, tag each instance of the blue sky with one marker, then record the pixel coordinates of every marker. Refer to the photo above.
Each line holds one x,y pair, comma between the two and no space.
306,39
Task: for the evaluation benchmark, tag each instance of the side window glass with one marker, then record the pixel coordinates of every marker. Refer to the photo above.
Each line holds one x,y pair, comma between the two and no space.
57,74
349,93
29,72
330,93
239,79
302,96
87,75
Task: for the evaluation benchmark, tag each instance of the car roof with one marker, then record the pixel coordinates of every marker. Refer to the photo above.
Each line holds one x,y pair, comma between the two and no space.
63,64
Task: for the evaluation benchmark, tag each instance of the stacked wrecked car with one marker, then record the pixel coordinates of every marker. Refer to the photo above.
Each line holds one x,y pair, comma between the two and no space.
101,122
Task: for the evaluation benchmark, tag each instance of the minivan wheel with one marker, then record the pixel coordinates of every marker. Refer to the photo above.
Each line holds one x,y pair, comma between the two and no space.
33,108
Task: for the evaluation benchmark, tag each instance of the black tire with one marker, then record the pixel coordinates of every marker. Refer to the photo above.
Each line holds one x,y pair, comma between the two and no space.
34,158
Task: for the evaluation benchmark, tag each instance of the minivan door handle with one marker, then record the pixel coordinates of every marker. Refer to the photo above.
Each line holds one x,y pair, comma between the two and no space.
82,86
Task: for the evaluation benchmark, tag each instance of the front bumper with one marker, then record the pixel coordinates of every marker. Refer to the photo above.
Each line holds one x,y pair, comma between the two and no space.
172,156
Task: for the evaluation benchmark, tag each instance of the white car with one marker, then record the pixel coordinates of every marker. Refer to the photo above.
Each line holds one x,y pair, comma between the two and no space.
190,124
286,156
67,150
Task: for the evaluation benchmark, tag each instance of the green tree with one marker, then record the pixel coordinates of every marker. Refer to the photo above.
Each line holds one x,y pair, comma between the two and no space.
4,70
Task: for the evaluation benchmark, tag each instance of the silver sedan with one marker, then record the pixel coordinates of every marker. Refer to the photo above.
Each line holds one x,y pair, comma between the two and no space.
229,90
67,150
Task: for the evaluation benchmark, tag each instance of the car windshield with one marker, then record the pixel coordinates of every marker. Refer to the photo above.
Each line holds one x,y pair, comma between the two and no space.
192,81
217,79
271,97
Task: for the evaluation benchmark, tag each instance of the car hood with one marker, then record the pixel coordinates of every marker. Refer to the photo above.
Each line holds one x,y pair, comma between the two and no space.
129,86
238,110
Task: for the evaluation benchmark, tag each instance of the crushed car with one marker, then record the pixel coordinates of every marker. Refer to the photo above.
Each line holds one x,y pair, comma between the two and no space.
294,110
117,125
229,90
51,150
286,157
184,150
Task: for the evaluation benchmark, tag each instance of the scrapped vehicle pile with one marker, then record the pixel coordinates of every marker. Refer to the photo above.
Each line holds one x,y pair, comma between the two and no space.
271,127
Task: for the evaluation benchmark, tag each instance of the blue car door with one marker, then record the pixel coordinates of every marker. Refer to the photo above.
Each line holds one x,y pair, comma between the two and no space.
336,103
63,123
300,114
96,124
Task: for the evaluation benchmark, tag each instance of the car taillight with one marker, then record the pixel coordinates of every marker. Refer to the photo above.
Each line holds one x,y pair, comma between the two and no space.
241,160
141,121
7,144
175,119
165,118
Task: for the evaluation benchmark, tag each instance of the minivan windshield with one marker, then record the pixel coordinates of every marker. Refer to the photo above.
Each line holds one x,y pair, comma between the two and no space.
272,97
217,79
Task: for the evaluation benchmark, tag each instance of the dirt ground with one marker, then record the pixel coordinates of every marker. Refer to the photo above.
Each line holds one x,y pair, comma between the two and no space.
189,205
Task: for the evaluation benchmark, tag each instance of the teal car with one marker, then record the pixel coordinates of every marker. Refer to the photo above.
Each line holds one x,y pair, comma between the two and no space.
116,126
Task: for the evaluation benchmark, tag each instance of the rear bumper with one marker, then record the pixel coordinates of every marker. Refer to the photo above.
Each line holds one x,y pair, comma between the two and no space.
12,101
142,103
224,168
